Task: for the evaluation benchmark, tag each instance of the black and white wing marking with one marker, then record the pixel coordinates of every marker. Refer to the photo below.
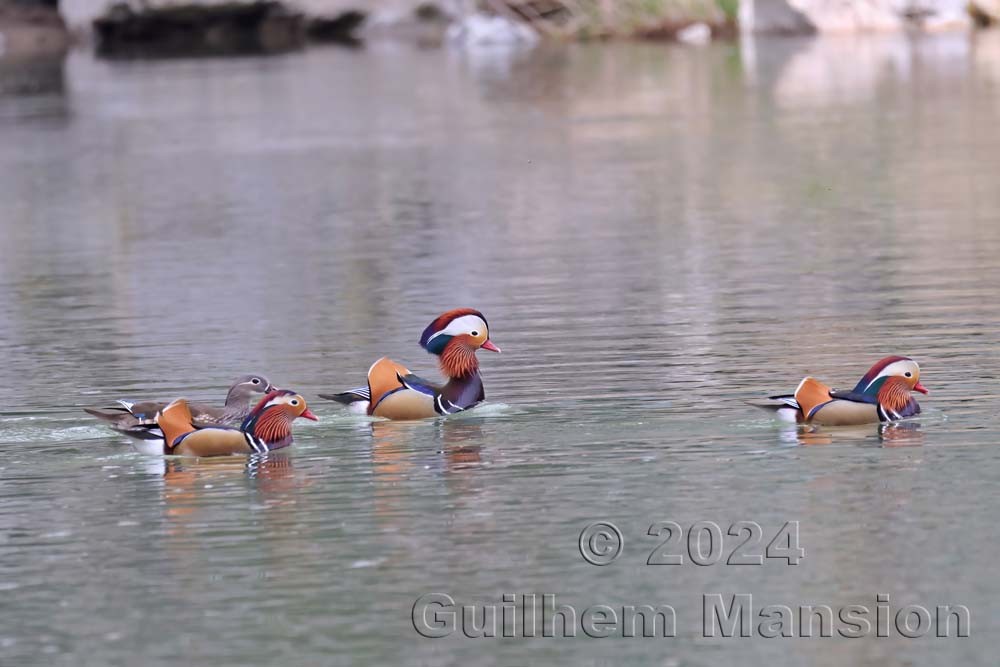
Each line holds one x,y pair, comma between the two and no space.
356,399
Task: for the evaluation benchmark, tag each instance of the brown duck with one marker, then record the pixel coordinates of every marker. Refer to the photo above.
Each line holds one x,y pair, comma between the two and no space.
133,419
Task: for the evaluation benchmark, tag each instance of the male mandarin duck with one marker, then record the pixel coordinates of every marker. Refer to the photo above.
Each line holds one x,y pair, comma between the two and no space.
883,394
395,393
266,428
132,419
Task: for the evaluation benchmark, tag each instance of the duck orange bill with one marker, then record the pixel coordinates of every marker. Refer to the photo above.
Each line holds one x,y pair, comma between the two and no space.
488,345
921,388
308,414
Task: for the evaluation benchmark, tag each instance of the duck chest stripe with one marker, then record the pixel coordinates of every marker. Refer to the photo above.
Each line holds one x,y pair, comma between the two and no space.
439,408
255,444
887,415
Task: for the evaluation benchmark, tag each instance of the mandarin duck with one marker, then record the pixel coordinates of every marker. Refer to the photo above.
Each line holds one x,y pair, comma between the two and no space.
132,419
266,428
883,394
396,393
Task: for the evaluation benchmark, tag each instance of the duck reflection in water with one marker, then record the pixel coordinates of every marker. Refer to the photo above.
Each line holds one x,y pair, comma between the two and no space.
458,440
398,446
890,434
402,450
409,456
262,493
900,434
185,482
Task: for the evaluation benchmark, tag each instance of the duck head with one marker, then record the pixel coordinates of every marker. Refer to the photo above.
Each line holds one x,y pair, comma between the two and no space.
245,389
454,337
902,371
271,419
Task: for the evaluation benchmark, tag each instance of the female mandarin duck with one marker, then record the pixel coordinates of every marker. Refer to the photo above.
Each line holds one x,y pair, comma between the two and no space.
883,394
395,393
133,419
266,428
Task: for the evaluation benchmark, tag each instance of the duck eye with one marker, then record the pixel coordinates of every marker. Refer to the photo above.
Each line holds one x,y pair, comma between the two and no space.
256,380
294,402
909,374
475,333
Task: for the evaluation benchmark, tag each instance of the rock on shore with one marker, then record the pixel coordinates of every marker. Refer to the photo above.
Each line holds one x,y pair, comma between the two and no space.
199,29
29,30
226,26
845,16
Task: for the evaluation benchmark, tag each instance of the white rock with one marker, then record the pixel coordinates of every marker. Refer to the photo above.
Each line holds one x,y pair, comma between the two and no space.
477,30
772,16
940,15
696,33
847,16
876,15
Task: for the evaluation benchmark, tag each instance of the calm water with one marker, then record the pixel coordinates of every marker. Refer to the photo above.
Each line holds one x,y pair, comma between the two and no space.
656,234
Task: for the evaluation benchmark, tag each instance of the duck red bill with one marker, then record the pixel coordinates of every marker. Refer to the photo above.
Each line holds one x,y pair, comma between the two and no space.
921,388
309,415
488,345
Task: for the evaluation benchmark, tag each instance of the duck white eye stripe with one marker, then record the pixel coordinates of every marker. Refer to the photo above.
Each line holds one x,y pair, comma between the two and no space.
897,368
280,400
465,324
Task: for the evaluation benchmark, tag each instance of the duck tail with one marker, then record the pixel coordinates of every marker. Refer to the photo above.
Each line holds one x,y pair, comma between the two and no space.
116,413
356,400
784,407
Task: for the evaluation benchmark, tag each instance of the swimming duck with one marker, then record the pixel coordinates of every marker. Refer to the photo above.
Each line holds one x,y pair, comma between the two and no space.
396,393
266,428
883,394
132,419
